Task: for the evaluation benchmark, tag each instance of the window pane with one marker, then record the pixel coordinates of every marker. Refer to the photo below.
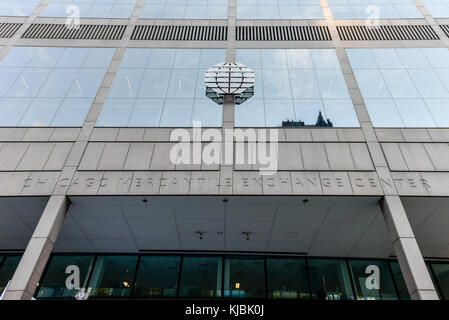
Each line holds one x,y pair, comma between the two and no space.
115,112
72,112
441,272
415,80
366,284
7,270
399,280
167,86
12,110
53,282
48,75
113,276
415,113
157,277
201,277
28,83
287,279
244,277
298,77
146,113
40,112
330,279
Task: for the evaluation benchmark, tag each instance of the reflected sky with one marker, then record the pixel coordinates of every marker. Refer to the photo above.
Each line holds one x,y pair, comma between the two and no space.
162,88
295,84
406,87
50,86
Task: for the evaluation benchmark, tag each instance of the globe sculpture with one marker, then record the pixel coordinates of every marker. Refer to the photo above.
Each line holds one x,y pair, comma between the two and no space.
229,78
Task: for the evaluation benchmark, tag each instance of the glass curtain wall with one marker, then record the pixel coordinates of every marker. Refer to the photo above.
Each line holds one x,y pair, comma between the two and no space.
153,276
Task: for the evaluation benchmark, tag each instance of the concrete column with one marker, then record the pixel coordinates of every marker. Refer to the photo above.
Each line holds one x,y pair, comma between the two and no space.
37,252
416,275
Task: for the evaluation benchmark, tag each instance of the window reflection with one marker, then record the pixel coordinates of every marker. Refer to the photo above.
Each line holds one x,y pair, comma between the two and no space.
287,279
387,9
201,277
330,279
367,285
295,86
91,8
53,284
441,274
166,89
185,9
112,276
405,87
44,86
437,8
157,277
244,277
294,9
7,267
17,7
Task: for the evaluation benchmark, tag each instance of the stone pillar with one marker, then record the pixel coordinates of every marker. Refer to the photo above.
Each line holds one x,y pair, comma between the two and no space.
414,270
37,252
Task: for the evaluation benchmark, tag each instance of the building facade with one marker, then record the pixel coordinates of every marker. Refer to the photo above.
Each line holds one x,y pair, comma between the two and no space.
353,97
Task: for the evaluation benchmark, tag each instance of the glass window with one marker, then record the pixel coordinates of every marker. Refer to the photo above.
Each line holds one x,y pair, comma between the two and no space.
89,8
441,273
405,87
287,278
292,9
185,9
295,85
330,279
112,276
384,9
17,7
367,285
7,269
244,277
39,84
437,8
399,281
162,88
53,282
201,277
157,277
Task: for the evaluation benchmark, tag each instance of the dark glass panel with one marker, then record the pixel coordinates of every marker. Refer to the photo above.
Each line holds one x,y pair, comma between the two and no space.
287,278
201,277
53,283
8,267
367,285
441,272
399,280
112,276
244,277
330,279
157,277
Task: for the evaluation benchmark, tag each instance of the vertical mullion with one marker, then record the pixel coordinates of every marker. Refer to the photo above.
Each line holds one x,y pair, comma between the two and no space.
89,276
309,283
395,285
266,276
351,278
181,262
436,282
135,276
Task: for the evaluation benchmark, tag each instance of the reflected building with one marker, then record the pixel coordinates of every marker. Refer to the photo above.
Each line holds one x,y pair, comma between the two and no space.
90,172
